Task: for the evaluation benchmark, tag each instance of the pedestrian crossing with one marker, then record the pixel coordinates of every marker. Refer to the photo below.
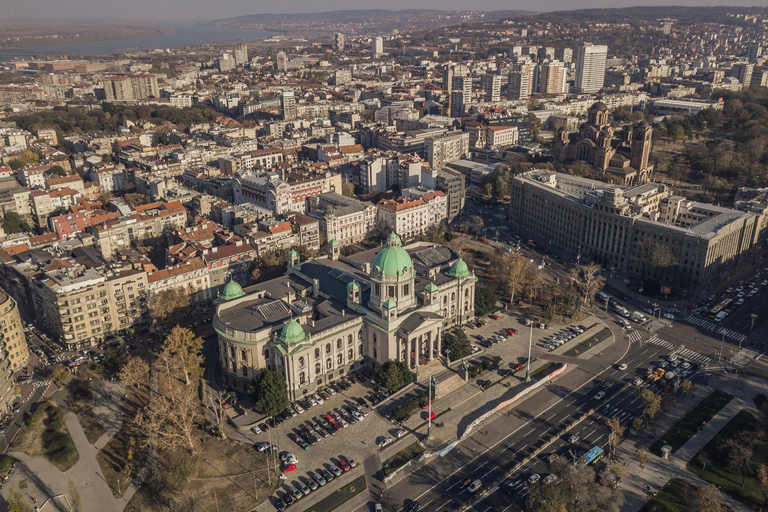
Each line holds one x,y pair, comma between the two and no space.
635,336
687,354
40,383
712,326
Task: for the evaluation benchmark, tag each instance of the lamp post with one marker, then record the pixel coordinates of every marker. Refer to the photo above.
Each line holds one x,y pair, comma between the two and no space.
429,403
722,340
448,357
752,317
528,367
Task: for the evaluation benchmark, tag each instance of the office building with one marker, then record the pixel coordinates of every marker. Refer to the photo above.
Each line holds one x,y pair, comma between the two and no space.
377,47
620,228
338,42
590,67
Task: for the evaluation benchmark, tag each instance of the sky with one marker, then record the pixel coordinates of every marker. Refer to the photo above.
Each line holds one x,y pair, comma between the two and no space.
157,10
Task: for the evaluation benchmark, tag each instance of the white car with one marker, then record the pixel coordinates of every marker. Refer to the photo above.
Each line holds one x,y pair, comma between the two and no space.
573,439
669,316
318,478
475,486
255,429
318,400
384,442
534,478
358,416
302,487
330,391
299,409
549,479
400,433
638,381
312,401
623,366
599,395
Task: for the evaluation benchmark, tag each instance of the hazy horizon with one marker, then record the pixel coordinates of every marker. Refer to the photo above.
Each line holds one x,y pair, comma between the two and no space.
197,10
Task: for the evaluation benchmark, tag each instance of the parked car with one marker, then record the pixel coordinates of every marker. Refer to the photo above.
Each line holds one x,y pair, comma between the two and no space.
384,442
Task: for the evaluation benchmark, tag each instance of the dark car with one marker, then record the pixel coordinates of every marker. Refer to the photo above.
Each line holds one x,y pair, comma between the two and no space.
412,506
287,499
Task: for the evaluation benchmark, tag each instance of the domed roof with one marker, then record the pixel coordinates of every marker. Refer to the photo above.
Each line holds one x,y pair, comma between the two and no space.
354,285
431,287
231,291
293,254
392,259
459,269
292,332
599,106
334,242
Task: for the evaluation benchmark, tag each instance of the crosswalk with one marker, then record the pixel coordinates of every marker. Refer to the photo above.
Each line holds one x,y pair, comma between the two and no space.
635,336
40,383
687,354
712,326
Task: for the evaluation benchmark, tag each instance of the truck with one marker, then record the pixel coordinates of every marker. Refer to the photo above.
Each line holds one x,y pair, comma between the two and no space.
638,317
603,296
621,310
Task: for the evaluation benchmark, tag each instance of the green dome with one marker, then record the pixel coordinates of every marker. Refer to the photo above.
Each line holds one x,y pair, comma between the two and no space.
334,242
459,269
354,285
231,291
292,332
431,287
389,304
392,259
293,254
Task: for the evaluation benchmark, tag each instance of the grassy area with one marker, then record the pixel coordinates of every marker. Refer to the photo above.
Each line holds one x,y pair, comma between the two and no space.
81,402
401,458
338,498
590,342
673,497
688,425
545,370
717,471
123,456
46,435
6,463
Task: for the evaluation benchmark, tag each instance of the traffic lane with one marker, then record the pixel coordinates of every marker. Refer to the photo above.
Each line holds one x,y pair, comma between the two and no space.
741,320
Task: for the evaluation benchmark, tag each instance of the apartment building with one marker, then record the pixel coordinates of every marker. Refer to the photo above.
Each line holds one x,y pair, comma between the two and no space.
491,87
619,228
344,219
260,158
14,352
445,148
190,276
436,200
307,230
407,217
228,261
282,194
110,178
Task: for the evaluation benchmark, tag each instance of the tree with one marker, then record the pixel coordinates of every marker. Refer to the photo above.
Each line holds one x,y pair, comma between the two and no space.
14,223
186,348
135,372
643,455
133,199
270,392
216,403
651,404
706,497
588,279
16,502
172,417
477,224
348,189
485,300
111,364
170,306
457,343
61,375
513,273
75,500
740,452
762,479
703,459
637,424
394,375
617,431
58,170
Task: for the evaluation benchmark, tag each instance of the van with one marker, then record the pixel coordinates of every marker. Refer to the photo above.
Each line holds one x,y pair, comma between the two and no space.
720,316
475,486
625,324
603,296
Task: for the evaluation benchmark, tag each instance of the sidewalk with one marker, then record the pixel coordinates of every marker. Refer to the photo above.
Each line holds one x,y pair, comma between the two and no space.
658,471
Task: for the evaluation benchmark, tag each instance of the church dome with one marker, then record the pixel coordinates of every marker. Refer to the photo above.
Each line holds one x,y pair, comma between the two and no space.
231,291
292,332
459,269
599,106
392,259
354,285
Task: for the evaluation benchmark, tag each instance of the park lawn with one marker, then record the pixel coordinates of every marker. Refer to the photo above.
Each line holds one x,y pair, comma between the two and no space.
717,471
588,343
673,497
687,426
545,370
401,458
340,497
46,435
81,402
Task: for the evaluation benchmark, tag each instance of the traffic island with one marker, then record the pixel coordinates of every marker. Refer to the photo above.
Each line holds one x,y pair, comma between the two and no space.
339,497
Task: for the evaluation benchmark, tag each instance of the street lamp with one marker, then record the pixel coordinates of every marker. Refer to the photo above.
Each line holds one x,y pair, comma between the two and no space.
448,357
753,317
528,368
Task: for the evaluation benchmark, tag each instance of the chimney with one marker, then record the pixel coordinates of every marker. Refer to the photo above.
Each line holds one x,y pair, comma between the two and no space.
343,311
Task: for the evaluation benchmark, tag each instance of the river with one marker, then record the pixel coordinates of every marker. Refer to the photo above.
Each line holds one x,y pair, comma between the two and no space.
184,34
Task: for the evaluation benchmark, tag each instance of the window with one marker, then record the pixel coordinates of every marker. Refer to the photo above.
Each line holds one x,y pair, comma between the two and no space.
339,359
349,339
360,349
445,300
405,290
453,296
301,362
390,291
328,363
351,354
375,355
302,379
318,369
232,352
338,343
266,354
466,293
245,371
327,348
244,355
317,353
377,289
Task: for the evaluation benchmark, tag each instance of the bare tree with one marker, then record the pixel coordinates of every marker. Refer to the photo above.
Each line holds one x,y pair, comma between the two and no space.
617,431
512,272
172,417
476,222
703,459
170,305
588,279
185,347
740,454
706,497
216,403
135,372
75,501
643,455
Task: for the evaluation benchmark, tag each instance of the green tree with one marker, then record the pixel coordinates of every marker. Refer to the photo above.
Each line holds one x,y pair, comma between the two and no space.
394,375
270,392
13,223
348,189
485,300
16,502
457,342
111,364
651,404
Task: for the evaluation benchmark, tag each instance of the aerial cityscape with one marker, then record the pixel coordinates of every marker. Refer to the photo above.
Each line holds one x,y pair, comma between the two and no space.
460,257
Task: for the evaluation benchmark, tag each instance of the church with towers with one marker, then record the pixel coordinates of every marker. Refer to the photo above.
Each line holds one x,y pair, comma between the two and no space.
625,158
330,316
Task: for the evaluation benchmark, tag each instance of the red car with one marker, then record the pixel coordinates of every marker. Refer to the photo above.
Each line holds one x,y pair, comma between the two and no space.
289,468
343,464
511,332
495,317
425,406
518,366
428,416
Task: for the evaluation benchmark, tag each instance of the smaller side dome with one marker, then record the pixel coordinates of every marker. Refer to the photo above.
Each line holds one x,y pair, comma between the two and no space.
354,285
431,287
459,269
292,332
602,107
232,290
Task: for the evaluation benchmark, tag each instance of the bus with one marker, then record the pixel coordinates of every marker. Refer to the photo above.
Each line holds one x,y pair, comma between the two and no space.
712,313
593,455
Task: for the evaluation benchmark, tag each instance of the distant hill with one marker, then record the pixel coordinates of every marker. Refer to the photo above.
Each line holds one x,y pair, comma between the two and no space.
629,14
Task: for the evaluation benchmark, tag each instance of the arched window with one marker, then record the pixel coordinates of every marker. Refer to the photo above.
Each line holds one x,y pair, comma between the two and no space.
453,310
349,339
453,296
317,353
466,293
339,359
232,352
338,343
360,349
466,306
266,354
327,348
302,379
301,362
244,354
318,369
445,300
328,363
351,354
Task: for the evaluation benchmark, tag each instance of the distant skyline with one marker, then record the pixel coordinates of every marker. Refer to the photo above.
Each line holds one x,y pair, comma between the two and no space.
181,10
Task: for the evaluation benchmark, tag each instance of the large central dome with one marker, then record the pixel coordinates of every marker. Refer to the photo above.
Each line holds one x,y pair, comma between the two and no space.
392,260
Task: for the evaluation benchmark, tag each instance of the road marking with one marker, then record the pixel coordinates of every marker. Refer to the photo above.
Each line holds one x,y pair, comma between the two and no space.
489,471
444,504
